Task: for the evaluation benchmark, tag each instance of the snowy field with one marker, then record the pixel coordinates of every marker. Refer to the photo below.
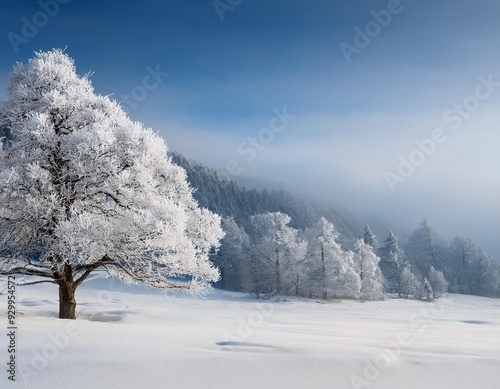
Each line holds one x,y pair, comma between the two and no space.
131,337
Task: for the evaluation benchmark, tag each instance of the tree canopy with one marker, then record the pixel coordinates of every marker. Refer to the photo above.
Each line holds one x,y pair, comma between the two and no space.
82,187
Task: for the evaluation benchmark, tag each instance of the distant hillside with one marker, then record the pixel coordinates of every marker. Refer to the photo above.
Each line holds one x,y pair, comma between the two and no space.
221,194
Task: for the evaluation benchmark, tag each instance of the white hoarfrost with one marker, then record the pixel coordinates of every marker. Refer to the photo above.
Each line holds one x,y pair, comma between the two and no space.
366,264
437,282
277,256
81,184
330,268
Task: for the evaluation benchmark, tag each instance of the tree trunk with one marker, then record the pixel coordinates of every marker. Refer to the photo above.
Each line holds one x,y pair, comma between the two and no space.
67,302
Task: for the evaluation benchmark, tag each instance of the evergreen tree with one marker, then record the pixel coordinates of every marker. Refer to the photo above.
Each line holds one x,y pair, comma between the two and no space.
424,249
232,258
366,264
471,270
370,238
393,263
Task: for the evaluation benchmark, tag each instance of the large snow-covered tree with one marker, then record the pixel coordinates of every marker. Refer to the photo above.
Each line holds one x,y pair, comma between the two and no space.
83,188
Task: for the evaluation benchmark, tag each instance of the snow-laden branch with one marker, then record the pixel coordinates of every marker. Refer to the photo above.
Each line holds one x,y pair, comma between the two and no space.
27,272
83,186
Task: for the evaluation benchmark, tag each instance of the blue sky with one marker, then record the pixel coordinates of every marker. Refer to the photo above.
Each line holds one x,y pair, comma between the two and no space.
352,120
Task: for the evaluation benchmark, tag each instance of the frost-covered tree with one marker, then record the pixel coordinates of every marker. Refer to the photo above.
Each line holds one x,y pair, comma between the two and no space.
437,282
488,280
277,254
409,284
330,268
83,188
366,264
461,261
232,257
428,290
296,272
5,135
393,263
425,248
321,257
347,284
473,270
370,238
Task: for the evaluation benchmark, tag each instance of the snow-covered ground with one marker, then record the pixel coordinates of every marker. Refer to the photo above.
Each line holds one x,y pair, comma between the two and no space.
132,337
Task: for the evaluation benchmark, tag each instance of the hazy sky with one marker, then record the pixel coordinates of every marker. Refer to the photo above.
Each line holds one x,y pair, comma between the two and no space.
327,97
